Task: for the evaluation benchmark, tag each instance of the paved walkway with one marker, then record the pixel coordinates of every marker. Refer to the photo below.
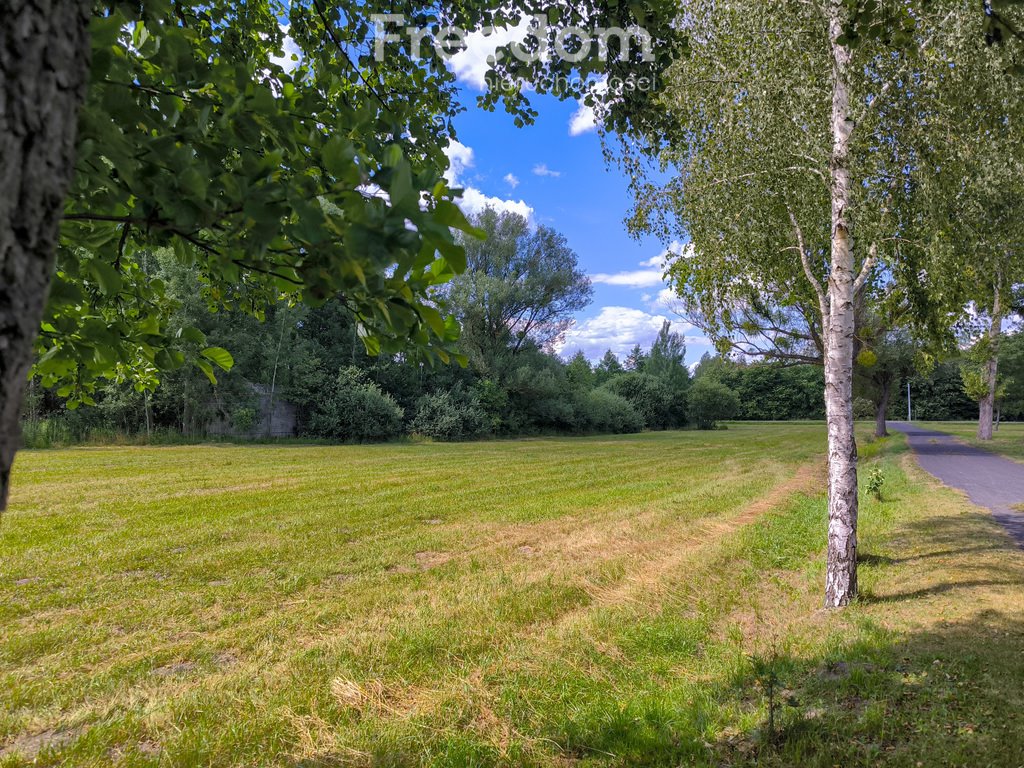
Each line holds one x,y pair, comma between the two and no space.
989,480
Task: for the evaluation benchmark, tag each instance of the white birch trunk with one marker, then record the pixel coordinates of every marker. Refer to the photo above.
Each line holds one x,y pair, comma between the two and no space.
986,408
841,567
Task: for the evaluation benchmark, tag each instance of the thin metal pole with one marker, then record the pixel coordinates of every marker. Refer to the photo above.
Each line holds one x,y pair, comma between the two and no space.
908,401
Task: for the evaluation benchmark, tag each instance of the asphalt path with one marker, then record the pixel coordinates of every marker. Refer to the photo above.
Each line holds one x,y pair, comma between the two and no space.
989,480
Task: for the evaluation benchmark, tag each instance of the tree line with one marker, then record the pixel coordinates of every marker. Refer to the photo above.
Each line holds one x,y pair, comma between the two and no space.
515,299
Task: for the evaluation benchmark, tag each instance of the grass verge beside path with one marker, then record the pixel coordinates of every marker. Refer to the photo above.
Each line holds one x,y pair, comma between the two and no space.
607,602
1008,440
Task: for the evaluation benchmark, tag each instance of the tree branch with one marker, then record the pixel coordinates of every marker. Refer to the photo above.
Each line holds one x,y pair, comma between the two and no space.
806,262
866,268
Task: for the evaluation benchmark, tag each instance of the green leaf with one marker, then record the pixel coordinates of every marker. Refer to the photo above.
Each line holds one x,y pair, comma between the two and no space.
219,357
189,333
450,215
433,319
206,368
337,155
108,278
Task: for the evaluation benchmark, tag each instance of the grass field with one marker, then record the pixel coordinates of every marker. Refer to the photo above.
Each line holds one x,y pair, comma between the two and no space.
1007,440
638,600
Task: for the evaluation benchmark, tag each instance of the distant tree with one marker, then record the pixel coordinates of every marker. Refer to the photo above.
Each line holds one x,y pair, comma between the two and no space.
354,408
982,381
667,362
540,397
521,284
710,401
770,391
1012,364
714,367
601,410
882,364
667,359
607,368
452,415
650,396
579,372
636,360
938,395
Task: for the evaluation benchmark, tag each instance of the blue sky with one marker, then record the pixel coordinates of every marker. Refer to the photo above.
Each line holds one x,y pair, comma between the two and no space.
554,171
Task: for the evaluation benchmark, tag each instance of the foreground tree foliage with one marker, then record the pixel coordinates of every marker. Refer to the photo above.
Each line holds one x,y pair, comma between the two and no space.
196,135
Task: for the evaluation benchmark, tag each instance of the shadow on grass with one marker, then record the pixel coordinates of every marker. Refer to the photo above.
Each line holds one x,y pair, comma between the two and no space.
866,558
951,696
933,693
867,596
953,552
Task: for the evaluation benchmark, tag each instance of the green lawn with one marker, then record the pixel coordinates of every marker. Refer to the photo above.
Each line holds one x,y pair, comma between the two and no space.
608,601
1007,440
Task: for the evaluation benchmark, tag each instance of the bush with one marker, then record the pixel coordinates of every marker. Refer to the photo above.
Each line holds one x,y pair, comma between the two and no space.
863,408
603,411
649,396
244,419
710,402
451,415
539,396
355,408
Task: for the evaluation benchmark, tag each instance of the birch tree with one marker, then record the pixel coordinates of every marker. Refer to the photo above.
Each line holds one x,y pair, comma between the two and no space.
975,177
790,141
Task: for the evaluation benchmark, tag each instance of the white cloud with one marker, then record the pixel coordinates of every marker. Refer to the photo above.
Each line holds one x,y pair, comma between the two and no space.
460,160
541,169
584,119
616,328
652,274
472,64
665,301
512,180
675,250
474,201
290,48
638,278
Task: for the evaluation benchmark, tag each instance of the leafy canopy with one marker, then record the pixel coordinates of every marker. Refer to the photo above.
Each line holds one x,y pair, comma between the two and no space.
312,175
267,144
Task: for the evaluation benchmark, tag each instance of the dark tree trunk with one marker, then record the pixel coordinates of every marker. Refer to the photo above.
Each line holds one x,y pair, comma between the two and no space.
44,67
883,408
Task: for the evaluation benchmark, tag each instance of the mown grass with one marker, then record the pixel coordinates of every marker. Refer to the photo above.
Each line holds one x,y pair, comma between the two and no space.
608,601
1007,440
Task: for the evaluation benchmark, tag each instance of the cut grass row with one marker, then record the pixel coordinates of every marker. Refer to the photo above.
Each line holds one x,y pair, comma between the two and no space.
622,601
